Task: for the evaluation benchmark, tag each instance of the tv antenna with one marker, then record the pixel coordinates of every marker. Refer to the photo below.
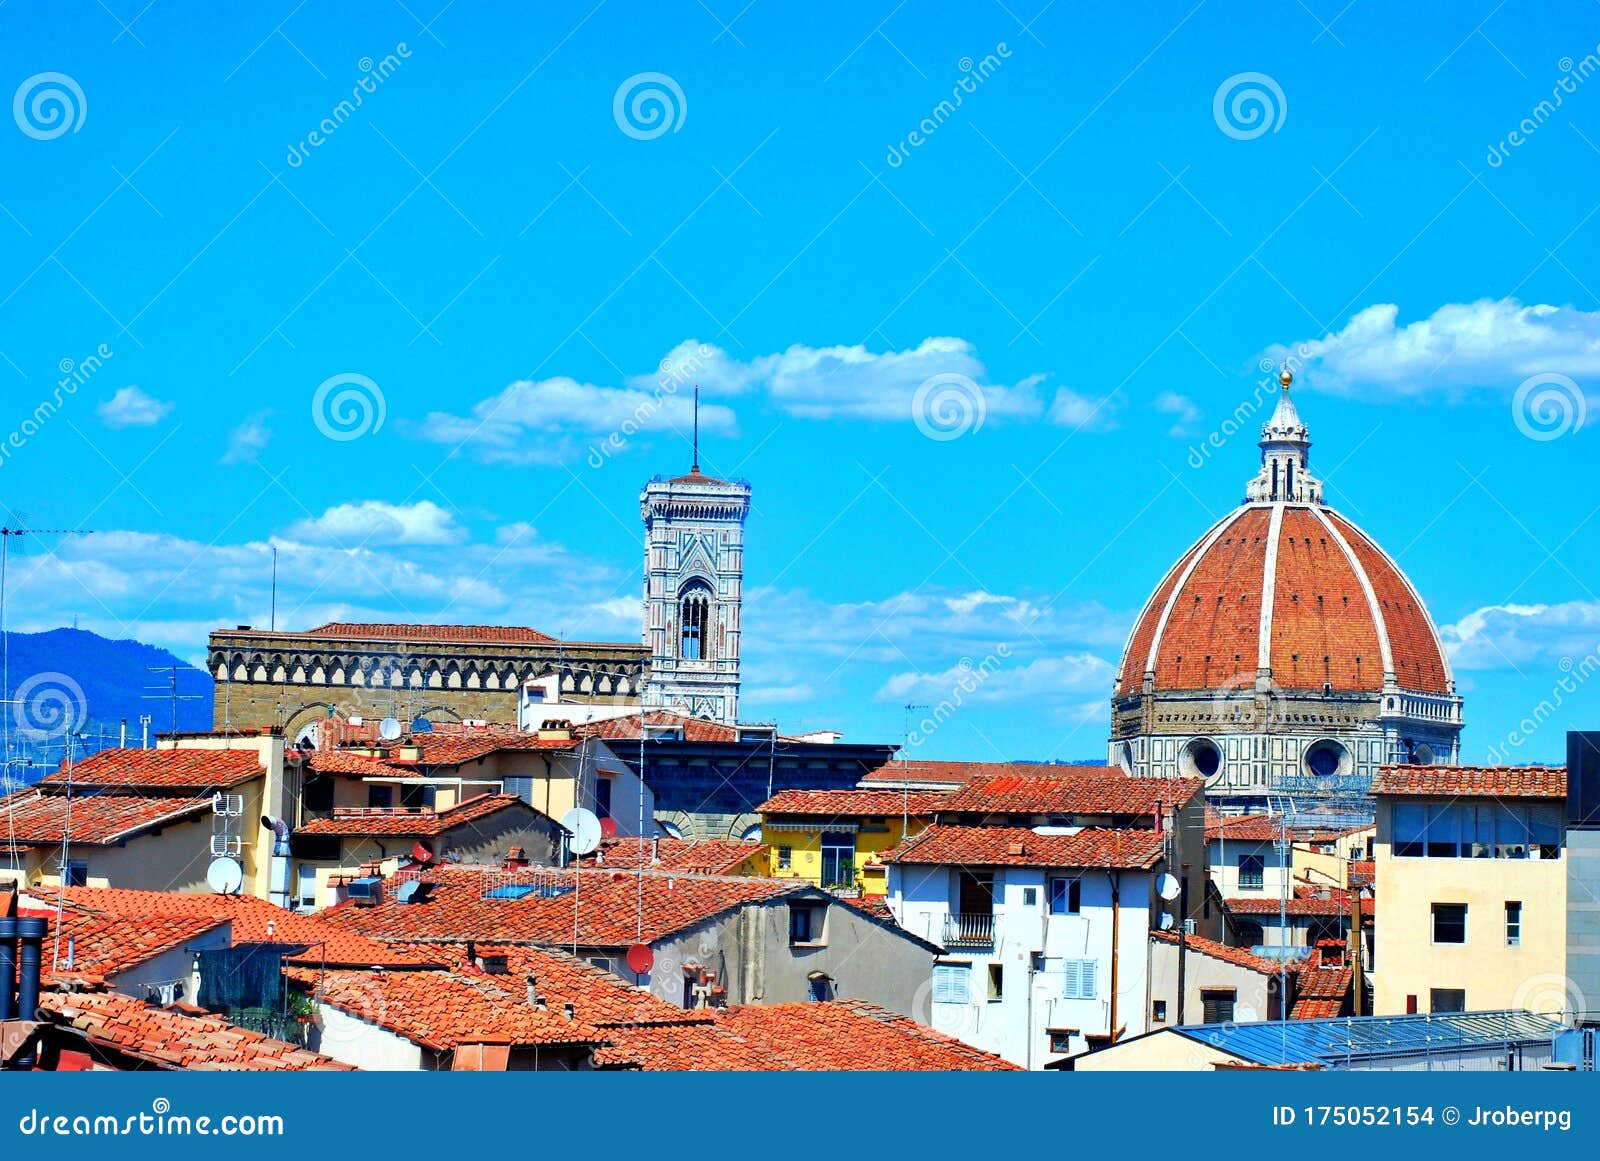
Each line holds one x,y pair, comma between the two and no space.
170,690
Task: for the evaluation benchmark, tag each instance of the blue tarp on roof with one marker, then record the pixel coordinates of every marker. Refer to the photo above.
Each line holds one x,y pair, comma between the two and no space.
1334,1041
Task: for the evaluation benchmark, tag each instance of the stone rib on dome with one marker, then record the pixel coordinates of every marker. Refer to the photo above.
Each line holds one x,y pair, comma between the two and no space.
1329,608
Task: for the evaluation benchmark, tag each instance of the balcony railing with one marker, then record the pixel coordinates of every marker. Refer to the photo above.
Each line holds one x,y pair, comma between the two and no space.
969,929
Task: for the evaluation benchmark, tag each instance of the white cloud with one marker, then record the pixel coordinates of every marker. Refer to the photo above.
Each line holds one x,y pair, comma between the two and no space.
1183,410
247,441
973,679
1510,636
1487,345
562,419
378,523
132,407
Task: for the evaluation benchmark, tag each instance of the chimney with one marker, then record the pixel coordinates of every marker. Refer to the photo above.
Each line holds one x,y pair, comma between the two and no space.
30,937
655,852
533,992
8,967
516,860
569,1010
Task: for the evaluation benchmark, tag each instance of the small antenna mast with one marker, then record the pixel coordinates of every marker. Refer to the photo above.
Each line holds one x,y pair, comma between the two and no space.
170,690
695,468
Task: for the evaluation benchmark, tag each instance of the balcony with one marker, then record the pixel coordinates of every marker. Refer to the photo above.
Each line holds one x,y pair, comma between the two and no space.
969,929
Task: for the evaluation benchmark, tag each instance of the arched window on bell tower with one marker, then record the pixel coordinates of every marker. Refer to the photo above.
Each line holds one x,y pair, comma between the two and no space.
694,617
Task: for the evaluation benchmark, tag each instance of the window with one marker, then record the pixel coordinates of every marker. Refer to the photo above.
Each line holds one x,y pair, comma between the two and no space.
950,982
1158,1010
1476,830
1410,823
997,981
805,923
1513,924
1080,979
76,875
1447,1000
694,608
1450,923
1060,1042
602,797
785,858
380,796
308,886
1252,872
1217,1004
1066,896
820,988
838,858
1250,934
1030,896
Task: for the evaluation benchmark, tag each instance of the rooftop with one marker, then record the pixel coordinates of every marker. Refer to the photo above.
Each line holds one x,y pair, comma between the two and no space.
1016,846
960,773
691,856
97,945
172,1039
1336,1043
392,822
826,804
32,818
1472,781
1238,956
539,906
1073,794
161,769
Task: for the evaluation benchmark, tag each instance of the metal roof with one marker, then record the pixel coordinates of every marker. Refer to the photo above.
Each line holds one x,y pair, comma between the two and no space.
1333,1042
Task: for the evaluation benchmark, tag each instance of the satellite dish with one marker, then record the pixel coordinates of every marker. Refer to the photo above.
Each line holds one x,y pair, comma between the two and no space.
608,828
641,959
1168,887
311,737
225,876
584,828
1167,921
422,853
390,730
422,726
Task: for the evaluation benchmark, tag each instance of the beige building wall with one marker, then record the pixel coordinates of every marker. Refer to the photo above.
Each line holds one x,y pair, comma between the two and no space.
1255,995
1406,961
1164,1051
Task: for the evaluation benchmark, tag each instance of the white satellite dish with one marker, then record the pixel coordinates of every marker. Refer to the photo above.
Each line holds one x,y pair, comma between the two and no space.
310,737
1167,921
584,828
1168,887
389,729
225,876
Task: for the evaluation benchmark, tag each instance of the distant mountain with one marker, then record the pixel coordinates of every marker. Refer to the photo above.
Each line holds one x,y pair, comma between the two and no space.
99,683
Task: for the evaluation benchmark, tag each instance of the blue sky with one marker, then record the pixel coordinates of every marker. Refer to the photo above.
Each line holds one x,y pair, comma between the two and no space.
1091,244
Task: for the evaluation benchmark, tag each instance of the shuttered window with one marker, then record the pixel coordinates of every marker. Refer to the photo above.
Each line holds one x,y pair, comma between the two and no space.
950,983
1080,979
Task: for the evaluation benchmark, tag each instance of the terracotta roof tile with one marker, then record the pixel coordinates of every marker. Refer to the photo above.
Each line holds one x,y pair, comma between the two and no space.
384,822
254,921
960,773
443,1010
690,856
1238,956
1335,904
1015,846
1304,1009
458,910
96,945
1120,795
172,1039
1472,781
162,769
344,762
842,1035
32,818
627,728
826,804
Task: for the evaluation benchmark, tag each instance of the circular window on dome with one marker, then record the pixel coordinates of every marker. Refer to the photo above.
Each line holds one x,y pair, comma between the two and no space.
1327,758
1201,758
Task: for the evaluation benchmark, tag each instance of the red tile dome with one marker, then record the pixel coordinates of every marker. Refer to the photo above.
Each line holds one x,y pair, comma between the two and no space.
1294,588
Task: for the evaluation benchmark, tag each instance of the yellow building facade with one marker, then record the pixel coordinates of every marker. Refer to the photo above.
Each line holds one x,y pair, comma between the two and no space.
1471,882
834,839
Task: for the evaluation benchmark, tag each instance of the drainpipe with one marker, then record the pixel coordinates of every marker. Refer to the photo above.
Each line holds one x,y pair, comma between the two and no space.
278,881
1115,879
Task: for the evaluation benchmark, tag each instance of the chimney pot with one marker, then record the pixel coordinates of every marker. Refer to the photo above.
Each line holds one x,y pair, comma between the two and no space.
569,1010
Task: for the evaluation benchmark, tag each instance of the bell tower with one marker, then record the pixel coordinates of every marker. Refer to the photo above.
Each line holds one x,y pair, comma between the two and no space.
694,589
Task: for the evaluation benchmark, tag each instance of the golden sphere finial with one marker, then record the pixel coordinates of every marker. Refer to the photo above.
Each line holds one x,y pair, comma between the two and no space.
1285,377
